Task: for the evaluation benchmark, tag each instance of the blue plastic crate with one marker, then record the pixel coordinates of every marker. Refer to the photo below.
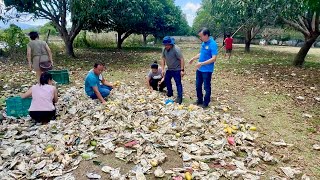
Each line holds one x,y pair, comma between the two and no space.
18,107
60,76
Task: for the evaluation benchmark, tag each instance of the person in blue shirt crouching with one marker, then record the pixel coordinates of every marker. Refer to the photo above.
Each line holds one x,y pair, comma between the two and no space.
96,86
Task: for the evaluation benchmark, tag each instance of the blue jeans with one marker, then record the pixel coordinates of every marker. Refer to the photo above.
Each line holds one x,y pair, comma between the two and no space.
203,78
104,91
176,75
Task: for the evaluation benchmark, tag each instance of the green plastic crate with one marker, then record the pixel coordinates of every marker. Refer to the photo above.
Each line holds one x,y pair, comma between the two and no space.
60,76
18,107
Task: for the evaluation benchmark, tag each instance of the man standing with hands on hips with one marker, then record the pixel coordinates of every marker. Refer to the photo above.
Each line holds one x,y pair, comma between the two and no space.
205,67
172,56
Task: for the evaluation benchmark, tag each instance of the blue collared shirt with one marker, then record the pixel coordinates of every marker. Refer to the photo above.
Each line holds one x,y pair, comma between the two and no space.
91,81
207,51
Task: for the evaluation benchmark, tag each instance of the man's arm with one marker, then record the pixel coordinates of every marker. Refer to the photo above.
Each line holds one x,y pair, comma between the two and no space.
147,82
163,63
209,61
182,63
105,82
194,58
98,94
29,57
182,67
55,95
49,53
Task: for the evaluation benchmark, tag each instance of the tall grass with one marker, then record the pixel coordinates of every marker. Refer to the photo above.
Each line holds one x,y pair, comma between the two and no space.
107,40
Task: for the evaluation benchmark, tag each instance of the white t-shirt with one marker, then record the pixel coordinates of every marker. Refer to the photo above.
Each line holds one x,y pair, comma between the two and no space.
157,75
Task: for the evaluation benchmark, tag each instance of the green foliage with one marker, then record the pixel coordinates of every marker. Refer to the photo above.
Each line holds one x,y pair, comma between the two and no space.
126,17
170,21
228,15
81,40
48,26
290,34
82,12
14,38
205,19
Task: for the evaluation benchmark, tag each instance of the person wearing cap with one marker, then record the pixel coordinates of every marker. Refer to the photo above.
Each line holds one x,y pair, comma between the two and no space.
205,67
172,57
96,86
37,51
155,79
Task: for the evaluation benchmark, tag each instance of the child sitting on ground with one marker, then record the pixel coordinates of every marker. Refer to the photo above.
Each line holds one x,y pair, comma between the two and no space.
155,79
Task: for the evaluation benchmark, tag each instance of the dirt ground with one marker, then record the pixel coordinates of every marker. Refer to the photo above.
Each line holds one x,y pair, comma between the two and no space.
265,94
261,86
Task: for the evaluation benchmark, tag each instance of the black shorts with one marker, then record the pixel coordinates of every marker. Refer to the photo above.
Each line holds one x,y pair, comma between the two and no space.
228,50
43,116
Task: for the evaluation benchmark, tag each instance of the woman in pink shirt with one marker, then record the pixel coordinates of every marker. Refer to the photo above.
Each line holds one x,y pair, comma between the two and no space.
44,95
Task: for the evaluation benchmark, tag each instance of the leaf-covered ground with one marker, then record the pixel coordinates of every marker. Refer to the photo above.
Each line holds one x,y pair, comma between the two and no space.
282,101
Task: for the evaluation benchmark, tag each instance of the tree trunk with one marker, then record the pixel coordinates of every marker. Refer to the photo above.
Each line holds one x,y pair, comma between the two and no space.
145,39
85,40
119,41
68,41
48,36
224,37
248,41
300,57
69,48
68,37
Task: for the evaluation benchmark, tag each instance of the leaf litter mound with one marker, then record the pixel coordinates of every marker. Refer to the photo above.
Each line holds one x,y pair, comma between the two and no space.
136,126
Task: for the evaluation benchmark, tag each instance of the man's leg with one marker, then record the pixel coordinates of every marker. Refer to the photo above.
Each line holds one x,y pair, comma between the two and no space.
177,79
230,53
162,86
154,84
199,82
104,90
207,87
167,79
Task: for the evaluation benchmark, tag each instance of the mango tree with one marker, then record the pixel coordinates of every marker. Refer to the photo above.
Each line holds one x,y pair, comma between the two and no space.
170,22
57,11
303,16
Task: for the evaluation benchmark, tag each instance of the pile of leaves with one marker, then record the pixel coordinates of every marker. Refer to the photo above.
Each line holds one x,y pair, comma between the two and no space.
136,126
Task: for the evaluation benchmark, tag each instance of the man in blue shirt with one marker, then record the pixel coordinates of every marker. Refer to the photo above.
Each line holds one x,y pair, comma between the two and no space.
95,85
205,67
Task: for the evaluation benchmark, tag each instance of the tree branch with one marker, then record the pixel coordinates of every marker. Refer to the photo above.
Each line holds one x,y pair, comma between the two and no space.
53,11
63,13
127,34
296,26
75,30
254,31
303,23
315,22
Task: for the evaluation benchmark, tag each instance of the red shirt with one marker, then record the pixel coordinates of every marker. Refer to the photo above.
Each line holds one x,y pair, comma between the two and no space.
228,42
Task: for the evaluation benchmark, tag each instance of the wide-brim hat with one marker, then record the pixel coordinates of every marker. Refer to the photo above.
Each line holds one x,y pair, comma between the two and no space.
168,40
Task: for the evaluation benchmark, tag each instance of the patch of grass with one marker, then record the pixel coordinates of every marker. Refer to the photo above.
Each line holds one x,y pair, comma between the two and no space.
311,130
258,57
241,154
312,64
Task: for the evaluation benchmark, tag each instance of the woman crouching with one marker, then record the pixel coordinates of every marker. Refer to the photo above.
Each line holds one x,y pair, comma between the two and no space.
44,95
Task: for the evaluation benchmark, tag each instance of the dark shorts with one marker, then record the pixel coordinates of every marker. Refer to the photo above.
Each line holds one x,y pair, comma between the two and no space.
228,50
43,116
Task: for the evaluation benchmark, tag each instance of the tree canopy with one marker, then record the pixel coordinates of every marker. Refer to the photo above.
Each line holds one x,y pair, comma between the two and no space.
156,17
253,16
